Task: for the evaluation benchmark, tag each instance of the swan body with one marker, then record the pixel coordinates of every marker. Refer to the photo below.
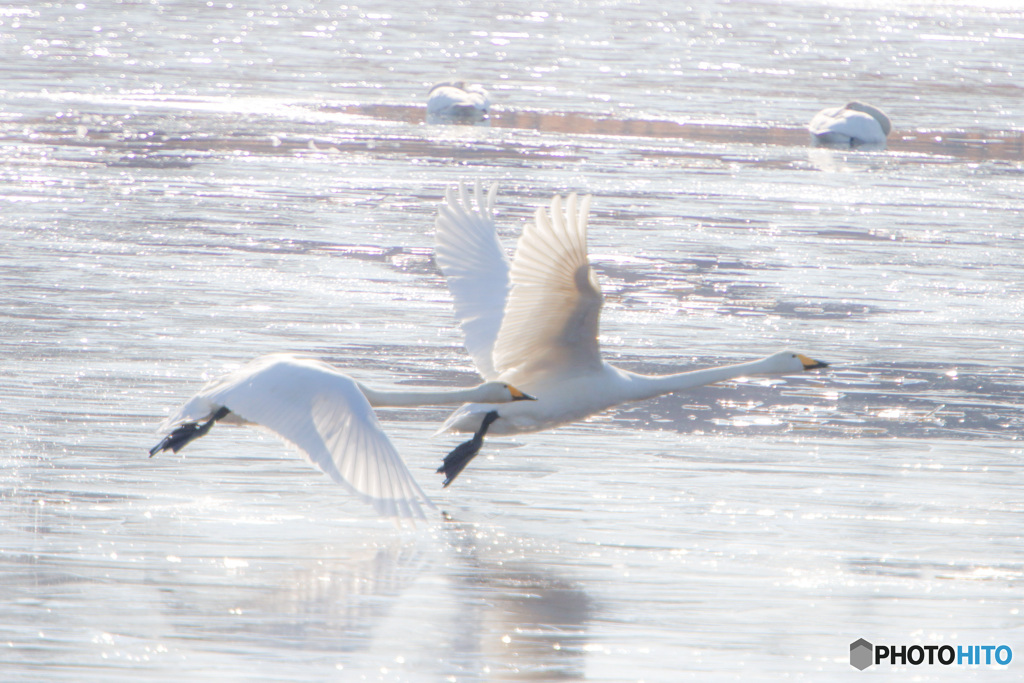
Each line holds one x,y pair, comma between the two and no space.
535,322
562,400
329,417
854,125
457,102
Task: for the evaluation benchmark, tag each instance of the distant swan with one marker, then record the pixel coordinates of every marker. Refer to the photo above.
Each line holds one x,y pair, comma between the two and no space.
456,102
855,125
329,417
535,323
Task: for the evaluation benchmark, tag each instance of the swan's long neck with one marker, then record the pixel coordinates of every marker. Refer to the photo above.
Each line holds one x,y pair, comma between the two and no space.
417,397
648,386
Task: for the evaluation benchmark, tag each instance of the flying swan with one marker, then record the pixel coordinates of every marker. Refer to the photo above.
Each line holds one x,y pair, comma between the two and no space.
329,417
534,323
456,102
855,125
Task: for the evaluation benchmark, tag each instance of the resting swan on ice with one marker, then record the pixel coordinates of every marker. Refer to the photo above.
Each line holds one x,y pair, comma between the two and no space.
456,102
855,125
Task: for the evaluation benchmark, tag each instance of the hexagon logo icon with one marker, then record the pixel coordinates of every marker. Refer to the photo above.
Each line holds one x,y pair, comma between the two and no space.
861,654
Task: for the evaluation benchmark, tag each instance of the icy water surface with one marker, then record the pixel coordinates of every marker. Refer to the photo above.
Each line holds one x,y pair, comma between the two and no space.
188,185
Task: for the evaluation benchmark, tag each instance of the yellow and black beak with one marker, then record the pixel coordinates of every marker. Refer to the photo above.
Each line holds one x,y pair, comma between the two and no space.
810,363
519,395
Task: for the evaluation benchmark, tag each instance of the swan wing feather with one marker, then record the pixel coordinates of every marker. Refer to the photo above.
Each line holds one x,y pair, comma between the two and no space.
474,264
324,414
552,318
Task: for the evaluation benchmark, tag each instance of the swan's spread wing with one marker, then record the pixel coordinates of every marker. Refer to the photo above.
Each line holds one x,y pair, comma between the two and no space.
553,312
324,413
472,260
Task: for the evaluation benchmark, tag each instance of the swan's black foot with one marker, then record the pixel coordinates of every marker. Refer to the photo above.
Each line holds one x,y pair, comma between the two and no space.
460,456
186,433
457,460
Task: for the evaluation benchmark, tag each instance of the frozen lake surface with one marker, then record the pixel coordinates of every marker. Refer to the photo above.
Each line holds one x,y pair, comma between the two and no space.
188,185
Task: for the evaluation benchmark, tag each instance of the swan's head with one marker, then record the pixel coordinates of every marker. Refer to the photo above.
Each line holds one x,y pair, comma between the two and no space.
500,392
874,112
788,362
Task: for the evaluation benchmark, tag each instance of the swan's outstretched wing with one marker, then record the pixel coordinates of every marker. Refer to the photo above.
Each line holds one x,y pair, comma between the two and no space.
553,312
325,415
469,254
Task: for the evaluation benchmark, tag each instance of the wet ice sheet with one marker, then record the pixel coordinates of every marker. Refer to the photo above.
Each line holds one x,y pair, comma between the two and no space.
733,554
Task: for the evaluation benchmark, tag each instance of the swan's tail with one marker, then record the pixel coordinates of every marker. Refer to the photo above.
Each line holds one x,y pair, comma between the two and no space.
185,433
466,419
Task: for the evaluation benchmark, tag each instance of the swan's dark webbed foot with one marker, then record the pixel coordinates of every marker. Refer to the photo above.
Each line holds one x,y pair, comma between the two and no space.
186,433
460,456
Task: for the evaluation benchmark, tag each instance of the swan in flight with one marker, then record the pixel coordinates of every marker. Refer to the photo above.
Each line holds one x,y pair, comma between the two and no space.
329,417
855,125
456,102
534,323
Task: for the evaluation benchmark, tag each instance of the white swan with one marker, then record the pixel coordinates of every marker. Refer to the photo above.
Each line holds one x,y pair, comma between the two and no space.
456,102
534,323
329,417
855,125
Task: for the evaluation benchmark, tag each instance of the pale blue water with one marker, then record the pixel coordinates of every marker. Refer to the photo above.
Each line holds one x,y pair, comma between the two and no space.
188,185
